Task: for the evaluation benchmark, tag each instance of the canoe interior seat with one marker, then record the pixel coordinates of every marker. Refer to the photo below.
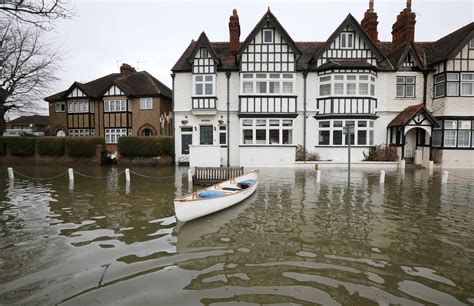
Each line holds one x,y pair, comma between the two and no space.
211,194
231,188
246,184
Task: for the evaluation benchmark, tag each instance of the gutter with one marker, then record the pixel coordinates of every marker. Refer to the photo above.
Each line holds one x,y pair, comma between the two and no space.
174,118
305,75
227,74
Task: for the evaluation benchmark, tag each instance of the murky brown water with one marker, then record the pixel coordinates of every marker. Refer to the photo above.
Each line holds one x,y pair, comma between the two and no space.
409,242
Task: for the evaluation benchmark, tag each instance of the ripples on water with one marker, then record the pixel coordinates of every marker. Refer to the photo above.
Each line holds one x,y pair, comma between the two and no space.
409,242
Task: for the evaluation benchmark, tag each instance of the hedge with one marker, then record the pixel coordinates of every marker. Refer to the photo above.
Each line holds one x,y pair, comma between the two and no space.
21,146
136,146
51,146
83,146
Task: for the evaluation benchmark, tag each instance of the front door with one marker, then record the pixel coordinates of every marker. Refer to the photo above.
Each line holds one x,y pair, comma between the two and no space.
410,144
186,140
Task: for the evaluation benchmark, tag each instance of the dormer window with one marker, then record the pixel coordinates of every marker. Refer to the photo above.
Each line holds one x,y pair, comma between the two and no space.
267,36
347,40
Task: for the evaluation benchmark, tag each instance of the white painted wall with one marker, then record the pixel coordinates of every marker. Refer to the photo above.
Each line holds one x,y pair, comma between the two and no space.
267,156
204,156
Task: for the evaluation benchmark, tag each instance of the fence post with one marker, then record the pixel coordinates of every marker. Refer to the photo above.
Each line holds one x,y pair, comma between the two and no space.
11,175
70,172
190,177
382,177
127,175
444,178
318,176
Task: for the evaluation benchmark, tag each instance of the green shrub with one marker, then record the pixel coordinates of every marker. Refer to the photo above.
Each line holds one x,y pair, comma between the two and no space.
301,152
21,146
83,146
136,146
381,152
166,145
51,146
3,146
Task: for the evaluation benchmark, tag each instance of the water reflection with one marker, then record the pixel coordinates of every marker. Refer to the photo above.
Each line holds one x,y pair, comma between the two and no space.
295,241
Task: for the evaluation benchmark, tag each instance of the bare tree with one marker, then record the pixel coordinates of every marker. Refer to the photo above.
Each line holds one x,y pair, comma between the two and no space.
27,68
40,13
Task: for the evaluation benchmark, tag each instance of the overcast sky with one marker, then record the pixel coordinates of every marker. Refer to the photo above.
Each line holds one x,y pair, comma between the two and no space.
151,35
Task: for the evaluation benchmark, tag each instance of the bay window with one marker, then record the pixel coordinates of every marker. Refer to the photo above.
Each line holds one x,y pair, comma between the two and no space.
204,85
80,106
267,83
267,131
454,84
112,135
117,106
454,133
331,132
341,85
81,132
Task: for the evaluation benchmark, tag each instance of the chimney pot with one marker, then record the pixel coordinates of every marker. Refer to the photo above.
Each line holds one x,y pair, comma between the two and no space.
126,69
370,23
403,30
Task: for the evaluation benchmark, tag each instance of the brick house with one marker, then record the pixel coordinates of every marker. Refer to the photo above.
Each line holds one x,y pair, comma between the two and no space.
118,104
252,102
35,124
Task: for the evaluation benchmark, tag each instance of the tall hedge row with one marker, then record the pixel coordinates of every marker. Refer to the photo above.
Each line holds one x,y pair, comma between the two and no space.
83,146
50,146
136,146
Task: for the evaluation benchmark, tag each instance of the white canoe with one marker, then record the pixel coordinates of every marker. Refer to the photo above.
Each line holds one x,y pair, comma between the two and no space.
216,197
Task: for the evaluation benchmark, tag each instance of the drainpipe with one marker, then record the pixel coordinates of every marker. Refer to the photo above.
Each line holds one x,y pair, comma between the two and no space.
174,118
305,74
425,83
227,74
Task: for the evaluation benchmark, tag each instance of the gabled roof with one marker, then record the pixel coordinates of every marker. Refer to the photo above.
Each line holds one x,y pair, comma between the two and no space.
269,18
203,42
398,55
345,63
405,116
133,84
448,46
350,21
34,119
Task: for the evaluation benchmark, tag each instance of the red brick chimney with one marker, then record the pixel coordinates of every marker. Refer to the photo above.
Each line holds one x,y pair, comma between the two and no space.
403,30
369,23
234,32
126,69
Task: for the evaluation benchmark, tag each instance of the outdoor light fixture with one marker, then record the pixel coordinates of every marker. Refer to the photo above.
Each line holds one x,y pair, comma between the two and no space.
221,122
184,122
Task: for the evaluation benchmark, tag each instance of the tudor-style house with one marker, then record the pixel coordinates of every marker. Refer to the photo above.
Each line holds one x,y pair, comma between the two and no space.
118,104
251,103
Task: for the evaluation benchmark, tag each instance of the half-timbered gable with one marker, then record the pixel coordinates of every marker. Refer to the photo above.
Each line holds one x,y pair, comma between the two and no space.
76,93
80,111
349,41
114,90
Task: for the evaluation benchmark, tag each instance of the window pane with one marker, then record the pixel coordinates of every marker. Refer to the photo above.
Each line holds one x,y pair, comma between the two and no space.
248,136
410,91
209,89
324,124
339,77
410,80
324,89
400,80
261,87
222,138
287,122
363,89
339,88
325,78
450,138
439,90
467,89
274,122
337,138
199,89
261,122
274,76
400,91
351,89
453,89
247,122
464,138
361,137
274,87
198,78
351,77
362,123
450,124
248,87
206,134
440,78
371,138
453,77
324,137
467,77
268,36
274,136
247,75
363,77
287,75
260,136
465,125
261,75
372,89
287,136
209,78
287,87
436,140
337,123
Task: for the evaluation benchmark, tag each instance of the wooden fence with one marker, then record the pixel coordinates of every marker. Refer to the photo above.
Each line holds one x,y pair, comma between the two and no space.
214,175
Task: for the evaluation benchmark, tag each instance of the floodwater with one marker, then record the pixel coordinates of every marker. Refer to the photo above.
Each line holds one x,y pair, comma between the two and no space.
409,242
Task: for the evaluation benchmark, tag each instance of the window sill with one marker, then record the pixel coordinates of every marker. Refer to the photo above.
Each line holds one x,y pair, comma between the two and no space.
343,146
269,145
200,97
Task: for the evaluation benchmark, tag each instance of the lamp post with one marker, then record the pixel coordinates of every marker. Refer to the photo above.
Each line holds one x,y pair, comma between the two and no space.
348,130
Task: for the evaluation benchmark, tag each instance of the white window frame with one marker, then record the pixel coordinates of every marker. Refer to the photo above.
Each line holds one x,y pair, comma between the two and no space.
471,43
272,36
358,126
60,107
347,40
466,82
112,135
204,82
353,79
283,79
79,107
117,106
267,124
81,132
146,103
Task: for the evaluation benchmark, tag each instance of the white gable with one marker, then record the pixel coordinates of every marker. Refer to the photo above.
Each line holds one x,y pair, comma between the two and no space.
420,119
409,61
203,62
76,93
274,56
349,45
114,91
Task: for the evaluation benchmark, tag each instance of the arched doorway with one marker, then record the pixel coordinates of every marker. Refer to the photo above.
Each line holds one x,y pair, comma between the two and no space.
147,130
60,133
